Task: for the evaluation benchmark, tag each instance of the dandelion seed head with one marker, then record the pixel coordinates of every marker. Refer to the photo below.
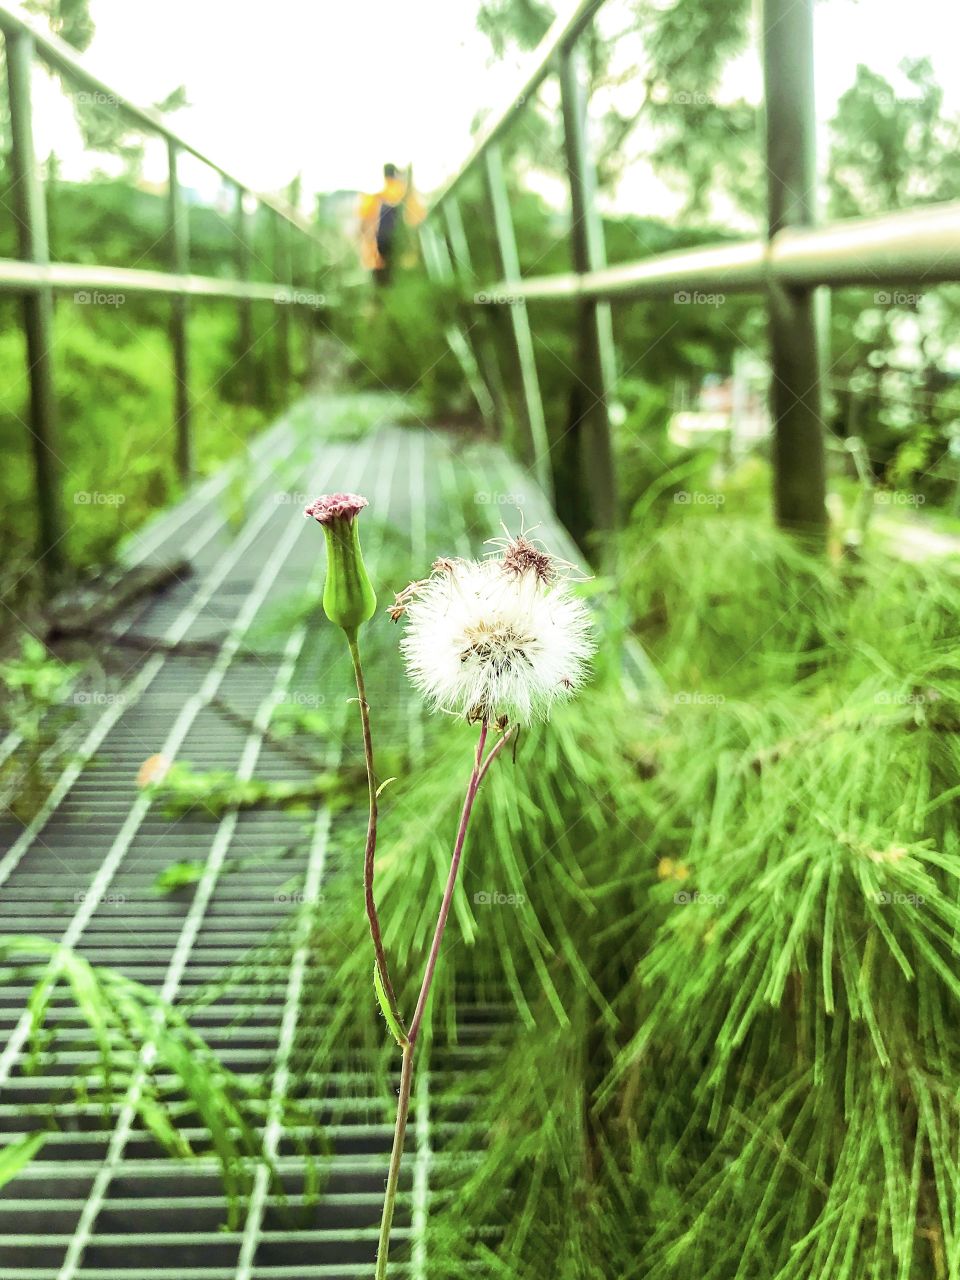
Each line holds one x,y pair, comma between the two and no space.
523,556
501,639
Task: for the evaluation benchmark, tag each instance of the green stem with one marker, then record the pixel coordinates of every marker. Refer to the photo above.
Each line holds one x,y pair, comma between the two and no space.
480,767
396,1155
371,843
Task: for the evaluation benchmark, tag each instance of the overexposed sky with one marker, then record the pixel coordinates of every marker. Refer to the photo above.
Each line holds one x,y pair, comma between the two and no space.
332,88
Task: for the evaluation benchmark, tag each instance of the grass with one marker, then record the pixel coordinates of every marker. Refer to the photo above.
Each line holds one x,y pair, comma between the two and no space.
721,935
731,948
115,437
147,1057
762,1085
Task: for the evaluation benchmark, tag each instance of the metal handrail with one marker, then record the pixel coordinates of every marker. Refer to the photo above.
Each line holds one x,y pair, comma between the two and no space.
36,280
21,277
563,32
920,246
62,57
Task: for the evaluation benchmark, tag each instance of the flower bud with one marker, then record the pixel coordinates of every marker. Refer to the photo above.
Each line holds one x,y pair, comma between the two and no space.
348,598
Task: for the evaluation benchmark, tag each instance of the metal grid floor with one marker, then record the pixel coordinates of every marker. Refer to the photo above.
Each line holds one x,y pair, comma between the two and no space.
102,1202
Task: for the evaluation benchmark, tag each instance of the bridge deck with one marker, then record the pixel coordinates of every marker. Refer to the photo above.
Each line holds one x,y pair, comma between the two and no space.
197,673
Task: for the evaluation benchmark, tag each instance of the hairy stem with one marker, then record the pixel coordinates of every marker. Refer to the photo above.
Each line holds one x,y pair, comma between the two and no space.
480,767
370,848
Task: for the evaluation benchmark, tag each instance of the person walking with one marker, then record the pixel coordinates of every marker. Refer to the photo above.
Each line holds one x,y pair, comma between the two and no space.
382,216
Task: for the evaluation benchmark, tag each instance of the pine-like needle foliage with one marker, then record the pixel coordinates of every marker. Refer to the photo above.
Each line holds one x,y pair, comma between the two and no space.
721,977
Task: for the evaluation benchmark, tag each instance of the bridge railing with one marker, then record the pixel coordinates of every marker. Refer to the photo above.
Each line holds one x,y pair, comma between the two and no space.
37,280
786,266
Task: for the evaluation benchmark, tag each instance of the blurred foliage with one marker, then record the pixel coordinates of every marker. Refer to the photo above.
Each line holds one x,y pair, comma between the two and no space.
396,336
893,370
892,377
69,19
892,148
211,794
115,439
708,943
673,116
896,378
35,724
114,373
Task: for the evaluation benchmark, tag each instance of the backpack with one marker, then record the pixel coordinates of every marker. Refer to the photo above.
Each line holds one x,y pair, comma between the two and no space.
388,220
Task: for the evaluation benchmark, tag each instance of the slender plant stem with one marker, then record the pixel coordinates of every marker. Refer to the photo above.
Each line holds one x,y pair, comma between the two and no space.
371,844
471,795
480,767
396,1155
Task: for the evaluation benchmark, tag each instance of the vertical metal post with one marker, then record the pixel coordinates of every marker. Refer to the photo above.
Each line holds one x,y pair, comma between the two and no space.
457,236
440,269
537,446
311,312
458,247
799,465
31,215
281,268
245,306
585,468
179,232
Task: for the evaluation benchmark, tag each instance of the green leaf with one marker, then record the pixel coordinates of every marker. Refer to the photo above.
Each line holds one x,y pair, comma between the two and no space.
178,875
18,1154
384,1003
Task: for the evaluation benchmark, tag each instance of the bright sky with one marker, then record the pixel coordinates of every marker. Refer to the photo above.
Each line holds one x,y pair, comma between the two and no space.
331,89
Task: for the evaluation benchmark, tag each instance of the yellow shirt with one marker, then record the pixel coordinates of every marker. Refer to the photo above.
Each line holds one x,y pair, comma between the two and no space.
394,192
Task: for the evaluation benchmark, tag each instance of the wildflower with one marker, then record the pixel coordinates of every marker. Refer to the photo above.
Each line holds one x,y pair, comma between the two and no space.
348,601
497,639
348,598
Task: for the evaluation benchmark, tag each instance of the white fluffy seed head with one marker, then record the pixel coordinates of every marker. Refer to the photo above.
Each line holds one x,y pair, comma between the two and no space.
495,639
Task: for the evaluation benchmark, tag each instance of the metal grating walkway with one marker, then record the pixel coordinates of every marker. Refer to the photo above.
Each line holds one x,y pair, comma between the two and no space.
101,1202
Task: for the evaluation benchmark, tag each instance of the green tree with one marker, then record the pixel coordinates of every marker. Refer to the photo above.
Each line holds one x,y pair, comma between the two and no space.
665,102
894,150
